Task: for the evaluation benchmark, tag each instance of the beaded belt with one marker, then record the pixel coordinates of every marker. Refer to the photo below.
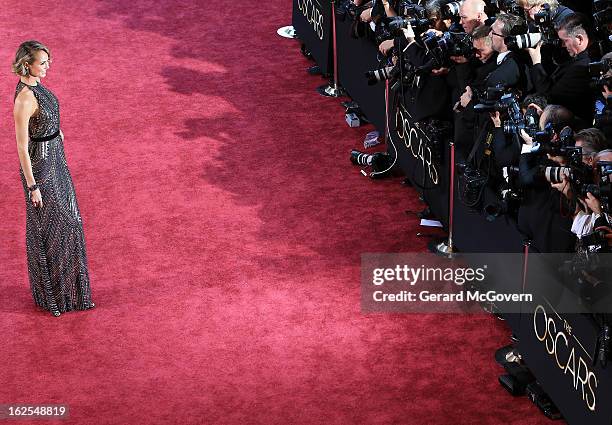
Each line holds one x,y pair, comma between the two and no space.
46,138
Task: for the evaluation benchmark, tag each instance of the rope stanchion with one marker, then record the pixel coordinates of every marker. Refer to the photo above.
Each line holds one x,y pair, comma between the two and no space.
446,248
333,89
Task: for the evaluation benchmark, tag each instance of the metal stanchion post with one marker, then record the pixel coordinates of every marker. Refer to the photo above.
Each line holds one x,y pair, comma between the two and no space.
333,89
446,248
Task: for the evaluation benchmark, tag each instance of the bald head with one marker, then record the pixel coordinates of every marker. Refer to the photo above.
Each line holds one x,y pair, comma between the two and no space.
472,15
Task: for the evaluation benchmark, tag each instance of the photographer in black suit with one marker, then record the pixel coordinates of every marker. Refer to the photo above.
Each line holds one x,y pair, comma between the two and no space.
540,217
510,71
568,84
507,71
465,117
429,95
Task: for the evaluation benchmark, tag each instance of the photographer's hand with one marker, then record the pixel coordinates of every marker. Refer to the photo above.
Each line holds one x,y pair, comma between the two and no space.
593,203
440,71
564,187
466,97
496,118
536,107
432,31
366,15
385,47
608,231
535,53
526,138
459,59
408,33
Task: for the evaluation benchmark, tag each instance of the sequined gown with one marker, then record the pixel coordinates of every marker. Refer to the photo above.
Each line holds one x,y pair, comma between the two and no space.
57,260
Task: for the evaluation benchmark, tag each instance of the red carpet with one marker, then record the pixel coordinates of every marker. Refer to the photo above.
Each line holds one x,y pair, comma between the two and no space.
224,226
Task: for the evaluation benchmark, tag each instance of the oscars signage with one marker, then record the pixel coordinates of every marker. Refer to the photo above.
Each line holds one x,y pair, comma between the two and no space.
422,161
312,20
560,347
417,144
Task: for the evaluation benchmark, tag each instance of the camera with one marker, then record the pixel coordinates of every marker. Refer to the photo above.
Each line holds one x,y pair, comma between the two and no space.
543,18
451,9
441,48
599,74
509,6
379,161
529,123
381,74
407,8
510,196
397,23
564,145
472,183
523,41
438,133
489,99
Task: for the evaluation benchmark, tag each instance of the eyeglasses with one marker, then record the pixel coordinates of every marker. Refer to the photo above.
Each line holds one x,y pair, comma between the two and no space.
499,35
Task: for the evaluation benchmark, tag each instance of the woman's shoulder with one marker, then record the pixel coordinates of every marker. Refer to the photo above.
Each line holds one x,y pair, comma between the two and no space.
24,94
25,99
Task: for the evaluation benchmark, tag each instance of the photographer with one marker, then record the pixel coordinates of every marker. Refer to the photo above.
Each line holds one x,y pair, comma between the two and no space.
591,141
603,104
507,73
465,117
472,15
589,212
558,12
428,96
567,84
540,217
510,71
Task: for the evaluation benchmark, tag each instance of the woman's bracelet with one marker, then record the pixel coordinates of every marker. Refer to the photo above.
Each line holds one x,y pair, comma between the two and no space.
33,187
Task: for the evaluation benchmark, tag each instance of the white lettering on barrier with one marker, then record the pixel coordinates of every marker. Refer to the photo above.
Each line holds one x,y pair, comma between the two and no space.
414,141
312,11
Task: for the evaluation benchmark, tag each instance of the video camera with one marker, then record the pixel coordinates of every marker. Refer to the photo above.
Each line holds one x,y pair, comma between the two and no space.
495,99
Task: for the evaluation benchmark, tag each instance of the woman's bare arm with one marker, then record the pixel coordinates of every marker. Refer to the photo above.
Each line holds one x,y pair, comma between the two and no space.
25,107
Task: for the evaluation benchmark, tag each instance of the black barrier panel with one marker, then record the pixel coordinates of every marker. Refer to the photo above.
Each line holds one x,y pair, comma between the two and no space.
312,21
559,349
355,58
422,160
474,233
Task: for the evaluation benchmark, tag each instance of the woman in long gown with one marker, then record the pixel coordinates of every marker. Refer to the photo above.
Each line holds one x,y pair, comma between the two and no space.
57,261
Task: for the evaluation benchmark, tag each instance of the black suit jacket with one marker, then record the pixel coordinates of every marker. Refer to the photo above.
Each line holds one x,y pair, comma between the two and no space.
511,72
568,86
429,96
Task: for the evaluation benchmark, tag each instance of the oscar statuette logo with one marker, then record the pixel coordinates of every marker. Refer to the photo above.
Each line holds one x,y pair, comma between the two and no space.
312,11
416,142
567,352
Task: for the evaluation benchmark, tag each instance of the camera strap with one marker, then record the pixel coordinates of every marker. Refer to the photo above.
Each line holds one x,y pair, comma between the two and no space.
481,136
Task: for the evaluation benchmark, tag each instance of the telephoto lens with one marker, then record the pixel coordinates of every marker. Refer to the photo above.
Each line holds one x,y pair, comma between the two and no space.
523,41
379,75
555,174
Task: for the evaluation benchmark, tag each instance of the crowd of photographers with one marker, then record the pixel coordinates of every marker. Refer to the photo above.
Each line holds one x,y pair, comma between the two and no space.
526,84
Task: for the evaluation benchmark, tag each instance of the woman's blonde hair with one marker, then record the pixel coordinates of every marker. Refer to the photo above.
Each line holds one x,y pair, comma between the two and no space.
554,4
26,53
